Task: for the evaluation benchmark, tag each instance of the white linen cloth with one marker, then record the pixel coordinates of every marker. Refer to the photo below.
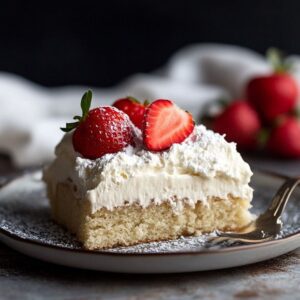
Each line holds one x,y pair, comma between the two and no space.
31,115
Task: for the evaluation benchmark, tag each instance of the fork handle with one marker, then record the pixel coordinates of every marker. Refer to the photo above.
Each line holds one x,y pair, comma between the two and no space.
282,196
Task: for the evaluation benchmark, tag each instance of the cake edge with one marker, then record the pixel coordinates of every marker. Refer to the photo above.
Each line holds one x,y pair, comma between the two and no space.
106,229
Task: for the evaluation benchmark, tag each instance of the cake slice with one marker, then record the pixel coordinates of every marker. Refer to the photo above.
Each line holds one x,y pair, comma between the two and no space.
196,185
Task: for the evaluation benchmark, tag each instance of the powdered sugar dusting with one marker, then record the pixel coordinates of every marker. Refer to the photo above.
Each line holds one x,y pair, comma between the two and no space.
183,244
203,153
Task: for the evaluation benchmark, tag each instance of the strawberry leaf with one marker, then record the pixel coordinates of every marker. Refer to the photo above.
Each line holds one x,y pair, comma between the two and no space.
223,102
133,99
263,137
86,103
213,108
277,60
85,107
70,126
296,112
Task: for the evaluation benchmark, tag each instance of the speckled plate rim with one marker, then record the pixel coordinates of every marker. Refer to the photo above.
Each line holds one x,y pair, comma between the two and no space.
289,238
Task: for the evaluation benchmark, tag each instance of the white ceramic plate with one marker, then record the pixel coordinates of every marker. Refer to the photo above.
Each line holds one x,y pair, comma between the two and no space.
26,226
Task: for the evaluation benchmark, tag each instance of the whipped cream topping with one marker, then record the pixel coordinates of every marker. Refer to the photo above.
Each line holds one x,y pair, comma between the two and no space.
201,167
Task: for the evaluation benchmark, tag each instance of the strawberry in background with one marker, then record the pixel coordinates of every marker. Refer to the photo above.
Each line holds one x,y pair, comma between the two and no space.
275,94
240,123
284,139
266,120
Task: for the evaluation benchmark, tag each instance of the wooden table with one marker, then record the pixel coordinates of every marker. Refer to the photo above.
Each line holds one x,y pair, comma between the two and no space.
24,278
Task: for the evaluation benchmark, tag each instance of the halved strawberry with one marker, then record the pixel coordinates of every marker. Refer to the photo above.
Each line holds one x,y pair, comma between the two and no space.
165,124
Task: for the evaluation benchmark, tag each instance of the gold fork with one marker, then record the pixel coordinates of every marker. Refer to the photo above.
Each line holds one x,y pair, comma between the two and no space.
267,225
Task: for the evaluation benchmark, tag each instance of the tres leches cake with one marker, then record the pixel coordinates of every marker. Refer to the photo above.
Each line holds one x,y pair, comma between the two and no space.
113,184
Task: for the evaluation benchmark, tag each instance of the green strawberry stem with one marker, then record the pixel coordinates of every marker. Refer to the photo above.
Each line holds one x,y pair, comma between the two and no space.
85,104
145,103
278,61
296,112
223,102
133,99
263,137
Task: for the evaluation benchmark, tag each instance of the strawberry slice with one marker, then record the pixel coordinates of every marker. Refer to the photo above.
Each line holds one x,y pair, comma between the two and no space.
165,124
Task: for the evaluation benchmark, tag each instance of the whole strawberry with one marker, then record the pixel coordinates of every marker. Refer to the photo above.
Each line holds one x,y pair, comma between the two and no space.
133,108
165,124
99,131
240,123
275,94
284,139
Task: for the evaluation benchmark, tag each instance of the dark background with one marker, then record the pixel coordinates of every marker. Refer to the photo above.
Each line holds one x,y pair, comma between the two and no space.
100,44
